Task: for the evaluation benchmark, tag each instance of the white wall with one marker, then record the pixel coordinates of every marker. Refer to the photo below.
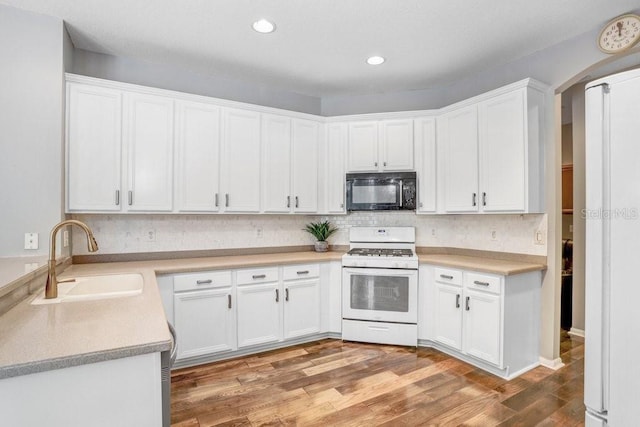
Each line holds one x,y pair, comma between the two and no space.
31,91
579,194
127,233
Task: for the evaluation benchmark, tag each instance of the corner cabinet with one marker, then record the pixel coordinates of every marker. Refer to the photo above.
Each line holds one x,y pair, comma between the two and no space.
335,154
490,151
488,320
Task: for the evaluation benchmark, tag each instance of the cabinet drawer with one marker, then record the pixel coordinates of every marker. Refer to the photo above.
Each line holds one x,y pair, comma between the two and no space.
483,282
445,275
301,271
257,275
203,280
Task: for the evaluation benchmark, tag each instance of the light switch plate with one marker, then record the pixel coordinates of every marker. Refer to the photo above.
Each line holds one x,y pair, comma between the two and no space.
31,241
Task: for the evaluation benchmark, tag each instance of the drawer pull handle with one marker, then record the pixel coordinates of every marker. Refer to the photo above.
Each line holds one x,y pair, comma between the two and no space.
379,328
467,304
277,295
229,297
286,294
204,282
259,276
477,282
457,300
446,276
300,273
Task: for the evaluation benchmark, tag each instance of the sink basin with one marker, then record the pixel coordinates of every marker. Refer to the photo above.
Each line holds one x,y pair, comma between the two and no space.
83,288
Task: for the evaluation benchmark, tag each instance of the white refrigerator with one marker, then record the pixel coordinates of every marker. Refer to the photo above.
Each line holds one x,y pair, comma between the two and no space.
612,324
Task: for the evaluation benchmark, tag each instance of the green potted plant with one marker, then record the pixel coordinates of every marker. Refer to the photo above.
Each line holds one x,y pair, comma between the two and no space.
321,231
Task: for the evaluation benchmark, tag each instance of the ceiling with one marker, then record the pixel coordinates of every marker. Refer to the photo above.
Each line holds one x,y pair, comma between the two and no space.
320,46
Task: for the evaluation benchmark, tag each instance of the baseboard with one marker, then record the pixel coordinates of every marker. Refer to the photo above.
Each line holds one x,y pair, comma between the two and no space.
576,332
554,364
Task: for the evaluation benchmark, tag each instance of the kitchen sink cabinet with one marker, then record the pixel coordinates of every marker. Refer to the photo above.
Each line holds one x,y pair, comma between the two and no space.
94,131
240,167
376,146
197,157
491,152
488,320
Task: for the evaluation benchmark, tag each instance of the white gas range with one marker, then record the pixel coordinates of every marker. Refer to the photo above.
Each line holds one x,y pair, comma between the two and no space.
380,286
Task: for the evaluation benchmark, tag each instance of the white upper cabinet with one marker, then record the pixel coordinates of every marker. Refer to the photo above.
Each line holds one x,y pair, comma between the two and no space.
337,134
363,147
197,157
94,141
148,123
384,145
306,138
458,143
396,144
240,167
426,161
276,173
503,155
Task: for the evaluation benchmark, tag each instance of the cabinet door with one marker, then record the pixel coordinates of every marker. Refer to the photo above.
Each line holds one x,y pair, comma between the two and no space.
149,133
276,174
448,315
336,148
240,179
396,138
482,331
259,314
363,147
198,156
94,142
503,159
458,141
425,146
306,139
204,322
301,308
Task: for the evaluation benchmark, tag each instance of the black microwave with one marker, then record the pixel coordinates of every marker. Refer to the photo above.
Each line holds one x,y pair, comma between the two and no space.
382,191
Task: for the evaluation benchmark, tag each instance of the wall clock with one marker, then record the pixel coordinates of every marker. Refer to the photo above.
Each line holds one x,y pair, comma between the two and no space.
620,34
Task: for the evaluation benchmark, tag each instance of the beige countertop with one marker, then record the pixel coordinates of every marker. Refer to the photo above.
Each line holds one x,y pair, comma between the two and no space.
36,338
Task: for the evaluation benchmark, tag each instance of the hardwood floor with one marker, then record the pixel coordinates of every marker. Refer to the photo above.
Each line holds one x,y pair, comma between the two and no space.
335,383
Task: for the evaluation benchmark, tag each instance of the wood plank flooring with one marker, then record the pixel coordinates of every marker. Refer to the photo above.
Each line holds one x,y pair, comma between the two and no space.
335,383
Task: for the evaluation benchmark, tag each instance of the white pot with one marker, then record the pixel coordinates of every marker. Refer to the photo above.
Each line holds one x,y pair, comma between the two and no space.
322,246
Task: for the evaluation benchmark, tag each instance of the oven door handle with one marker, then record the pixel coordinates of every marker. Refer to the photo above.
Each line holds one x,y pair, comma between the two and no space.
400,189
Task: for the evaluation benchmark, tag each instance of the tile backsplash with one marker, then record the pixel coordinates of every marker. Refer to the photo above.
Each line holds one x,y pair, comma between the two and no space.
118,234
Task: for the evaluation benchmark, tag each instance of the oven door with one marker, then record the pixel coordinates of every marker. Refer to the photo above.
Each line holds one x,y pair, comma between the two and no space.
379,294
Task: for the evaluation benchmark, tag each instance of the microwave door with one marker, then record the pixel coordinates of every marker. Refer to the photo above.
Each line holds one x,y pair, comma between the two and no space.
367,194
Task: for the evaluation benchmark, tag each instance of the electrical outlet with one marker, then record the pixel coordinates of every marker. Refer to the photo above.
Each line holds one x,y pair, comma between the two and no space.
31,241
65,238
150,236
259,232
433,232
494,235
539,237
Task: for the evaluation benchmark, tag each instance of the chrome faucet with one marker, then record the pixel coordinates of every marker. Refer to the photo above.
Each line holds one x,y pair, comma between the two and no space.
51,289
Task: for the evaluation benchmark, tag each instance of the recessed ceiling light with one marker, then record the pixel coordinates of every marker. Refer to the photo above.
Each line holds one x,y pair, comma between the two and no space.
375,60
264,26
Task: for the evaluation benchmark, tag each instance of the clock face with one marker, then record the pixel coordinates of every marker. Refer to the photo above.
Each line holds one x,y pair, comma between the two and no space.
620,34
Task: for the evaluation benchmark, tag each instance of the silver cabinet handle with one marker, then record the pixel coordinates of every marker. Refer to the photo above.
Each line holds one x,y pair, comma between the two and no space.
446,276
375,164
204,282
117,197
473,199
277,295
229,300
484,199
259,276
226,199
130,197
467,304
300,273
288,201
477,282
297,201
216,200
286,294
342,205
384,164
421,205
457,300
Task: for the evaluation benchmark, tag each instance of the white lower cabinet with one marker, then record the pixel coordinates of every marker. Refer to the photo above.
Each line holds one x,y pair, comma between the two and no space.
204,317
259,300
489,320
301,297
